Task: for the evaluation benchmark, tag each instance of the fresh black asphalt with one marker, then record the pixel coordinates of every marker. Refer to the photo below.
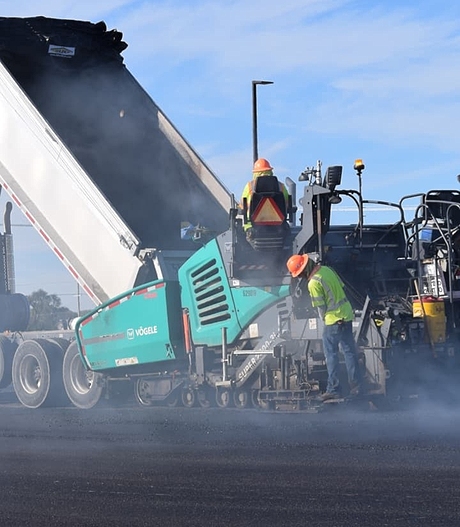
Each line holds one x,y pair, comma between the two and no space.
211,467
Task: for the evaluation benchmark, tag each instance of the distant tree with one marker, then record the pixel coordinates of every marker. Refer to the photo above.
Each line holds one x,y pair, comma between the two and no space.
47,312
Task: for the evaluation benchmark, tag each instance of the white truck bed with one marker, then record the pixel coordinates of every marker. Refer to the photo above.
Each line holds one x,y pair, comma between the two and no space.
56,195
96,166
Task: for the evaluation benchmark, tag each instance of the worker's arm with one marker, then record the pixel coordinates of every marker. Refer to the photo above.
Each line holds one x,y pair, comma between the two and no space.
285,192
246,193
317,298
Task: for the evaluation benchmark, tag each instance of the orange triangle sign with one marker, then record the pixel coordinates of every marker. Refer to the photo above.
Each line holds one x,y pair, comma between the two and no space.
267,213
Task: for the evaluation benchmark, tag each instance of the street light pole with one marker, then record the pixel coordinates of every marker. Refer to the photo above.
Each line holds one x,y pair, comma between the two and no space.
255,152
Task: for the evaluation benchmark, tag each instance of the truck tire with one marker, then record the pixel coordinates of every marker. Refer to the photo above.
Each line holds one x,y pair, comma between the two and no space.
263,404
83,387
224,398
63,343
7,349
188,397
36,372
142,393
241,399
205,397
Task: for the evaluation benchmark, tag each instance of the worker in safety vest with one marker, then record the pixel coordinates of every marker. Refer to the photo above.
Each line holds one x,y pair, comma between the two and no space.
328,297
261,168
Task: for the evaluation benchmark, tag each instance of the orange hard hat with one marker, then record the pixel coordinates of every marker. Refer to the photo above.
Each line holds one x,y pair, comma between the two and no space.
297,263
261,165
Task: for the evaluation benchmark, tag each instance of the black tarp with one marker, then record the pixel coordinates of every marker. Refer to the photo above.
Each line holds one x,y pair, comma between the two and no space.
110,124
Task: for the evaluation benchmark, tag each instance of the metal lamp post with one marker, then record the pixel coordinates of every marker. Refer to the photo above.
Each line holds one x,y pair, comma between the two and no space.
255,152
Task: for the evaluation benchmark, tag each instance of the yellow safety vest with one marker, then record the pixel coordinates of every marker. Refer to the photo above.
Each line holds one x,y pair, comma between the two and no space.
248,191
326,291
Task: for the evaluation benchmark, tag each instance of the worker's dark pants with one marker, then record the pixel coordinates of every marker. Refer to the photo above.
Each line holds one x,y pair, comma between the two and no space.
334,335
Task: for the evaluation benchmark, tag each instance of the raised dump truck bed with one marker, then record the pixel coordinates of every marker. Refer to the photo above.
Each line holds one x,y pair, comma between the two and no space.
89,157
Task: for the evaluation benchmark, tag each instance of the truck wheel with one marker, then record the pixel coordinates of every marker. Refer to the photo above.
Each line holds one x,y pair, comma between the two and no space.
63,343
142,393
241,399
188,397
83,387
174,399
224,398
204,397
36,372
263,404
7,349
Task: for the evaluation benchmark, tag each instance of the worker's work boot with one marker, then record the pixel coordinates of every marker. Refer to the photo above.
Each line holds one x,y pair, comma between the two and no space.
328,396
356,390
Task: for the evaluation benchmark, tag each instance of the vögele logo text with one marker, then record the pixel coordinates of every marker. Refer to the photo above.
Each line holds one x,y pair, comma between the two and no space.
141,331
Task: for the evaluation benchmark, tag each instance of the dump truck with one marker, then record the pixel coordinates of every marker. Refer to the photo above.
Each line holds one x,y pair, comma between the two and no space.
70,108
188,309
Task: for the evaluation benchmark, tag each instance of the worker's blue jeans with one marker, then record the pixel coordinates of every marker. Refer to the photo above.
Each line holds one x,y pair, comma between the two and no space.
334,335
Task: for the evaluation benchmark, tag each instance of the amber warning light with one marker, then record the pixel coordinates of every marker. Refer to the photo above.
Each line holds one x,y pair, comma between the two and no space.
359,165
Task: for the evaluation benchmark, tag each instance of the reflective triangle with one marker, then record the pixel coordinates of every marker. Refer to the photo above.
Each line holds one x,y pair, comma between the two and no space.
267,213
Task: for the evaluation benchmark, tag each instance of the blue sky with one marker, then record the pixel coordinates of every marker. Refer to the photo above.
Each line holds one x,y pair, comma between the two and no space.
376,80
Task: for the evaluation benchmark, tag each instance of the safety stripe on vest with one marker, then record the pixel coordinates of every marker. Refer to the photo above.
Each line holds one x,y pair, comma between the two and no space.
333,305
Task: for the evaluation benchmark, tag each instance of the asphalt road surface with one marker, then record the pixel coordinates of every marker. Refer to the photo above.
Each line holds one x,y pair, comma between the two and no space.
196,467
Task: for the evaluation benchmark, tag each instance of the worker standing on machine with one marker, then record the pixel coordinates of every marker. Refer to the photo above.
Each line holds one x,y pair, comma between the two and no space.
261,168
328,296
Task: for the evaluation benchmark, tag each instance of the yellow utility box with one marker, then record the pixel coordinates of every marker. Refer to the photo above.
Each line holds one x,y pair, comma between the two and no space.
432,309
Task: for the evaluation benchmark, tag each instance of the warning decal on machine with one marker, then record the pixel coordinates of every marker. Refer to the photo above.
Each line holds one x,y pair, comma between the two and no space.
127,362
267,213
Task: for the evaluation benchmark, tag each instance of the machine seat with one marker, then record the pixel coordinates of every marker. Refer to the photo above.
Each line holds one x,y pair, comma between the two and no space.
267,213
